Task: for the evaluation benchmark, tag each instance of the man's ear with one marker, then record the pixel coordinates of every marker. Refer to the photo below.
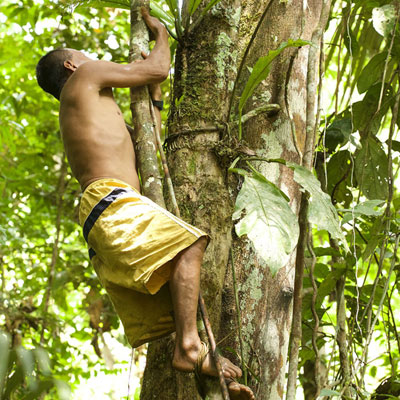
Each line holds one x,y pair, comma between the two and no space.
70,65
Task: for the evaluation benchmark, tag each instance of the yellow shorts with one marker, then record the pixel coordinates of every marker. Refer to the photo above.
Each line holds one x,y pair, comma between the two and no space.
131,243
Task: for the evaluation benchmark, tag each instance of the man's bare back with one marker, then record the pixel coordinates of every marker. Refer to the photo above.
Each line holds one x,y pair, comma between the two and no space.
96,140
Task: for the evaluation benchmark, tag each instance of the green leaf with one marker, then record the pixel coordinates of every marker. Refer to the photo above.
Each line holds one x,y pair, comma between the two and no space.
376,234
211,4
328,393
372,72
338,132
27,361
4,351
269,222
366,119
63,389
326,251
395,145
321,211
371,169
262,67
365,208
383,19
328,285
137,393
123,4
193,5
351,43
173,8
43,361
157,11
339,177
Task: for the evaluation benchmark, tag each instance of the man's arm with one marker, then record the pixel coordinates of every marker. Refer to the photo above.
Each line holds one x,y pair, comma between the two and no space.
153,69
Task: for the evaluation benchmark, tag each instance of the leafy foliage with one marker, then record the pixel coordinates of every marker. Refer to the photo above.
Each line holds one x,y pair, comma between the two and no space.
357,163
269,222
260,71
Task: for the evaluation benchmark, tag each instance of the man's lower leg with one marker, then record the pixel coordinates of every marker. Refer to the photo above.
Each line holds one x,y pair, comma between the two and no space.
185,286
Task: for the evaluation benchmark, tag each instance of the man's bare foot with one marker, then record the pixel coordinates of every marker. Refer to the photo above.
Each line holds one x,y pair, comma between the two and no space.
237,391
185,361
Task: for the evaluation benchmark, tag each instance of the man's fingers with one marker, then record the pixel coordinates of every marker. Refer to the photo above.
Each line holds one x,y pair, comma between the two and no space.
144,54
145,11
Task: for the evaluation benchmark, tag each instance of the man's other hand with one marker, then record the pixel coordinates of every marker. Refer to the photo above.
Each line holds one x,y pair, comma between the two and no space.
154,88
155,26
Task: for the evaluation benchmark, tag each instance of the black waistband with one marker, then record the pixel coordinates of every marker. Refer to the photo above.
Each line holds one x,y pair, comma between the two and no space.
99,208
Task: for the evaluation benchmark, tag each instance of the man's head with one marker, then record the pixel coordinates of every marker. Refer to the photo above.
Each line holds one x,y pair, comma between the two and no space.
53,69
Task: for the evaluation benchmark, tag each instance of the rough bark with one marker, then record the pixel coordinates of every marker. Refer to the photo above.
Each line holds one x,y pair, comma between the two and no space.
205,72
266,299
144,140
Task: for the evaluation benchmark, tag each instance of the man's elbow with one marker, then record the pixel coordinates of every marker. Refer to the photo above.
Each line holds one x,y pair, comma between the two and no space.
162,74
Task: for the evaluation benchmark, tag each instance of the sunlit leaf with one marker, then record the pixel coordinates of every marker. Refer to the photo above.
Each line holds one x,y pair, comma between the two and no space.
321,211
268,221
384,18
27,361
365,208
123,4
371,170
328,393
43,361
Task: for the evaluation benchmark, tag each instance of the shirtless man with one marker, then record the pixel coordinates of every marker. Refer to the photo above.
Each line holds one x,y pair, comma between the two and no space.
102,158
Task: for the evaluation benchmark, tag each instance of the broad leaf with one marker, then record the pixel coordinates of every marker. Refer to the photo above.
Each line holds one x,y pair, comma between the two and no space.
27,361
193,5
366,208
395,145
376,235
384,18
268,221
366,117
173,7
338,132
328,393
339,171
351,43
43,361
262,67
124,4
157,11
321,211
4,351
372,72
371,169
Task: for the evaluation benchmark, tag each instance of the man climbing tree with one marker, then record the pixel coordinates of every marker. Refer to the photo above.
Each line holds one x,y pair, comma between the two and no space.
136,247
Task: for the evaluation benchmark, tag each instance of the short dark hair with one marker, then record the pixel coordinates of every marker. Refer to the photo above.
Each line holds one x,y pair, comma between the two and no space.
51,73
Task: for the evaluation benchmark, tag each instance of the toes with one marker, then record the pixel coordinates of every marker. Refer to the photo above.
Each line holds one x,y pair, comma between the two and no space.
234,388
233,371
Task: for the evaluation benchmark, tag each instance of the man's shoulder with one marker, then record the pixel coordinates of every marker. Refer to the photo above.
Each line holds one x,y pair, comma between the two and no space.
87,70
81,82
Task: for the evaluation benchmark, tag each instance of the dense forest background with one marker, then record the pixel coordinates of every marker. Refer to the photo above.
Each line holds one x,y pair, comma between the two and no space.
59,335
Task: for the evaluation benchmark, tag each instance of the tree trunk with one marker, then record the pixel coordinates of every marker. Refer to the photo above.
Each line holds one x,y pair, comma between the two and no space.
207,64
144,140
